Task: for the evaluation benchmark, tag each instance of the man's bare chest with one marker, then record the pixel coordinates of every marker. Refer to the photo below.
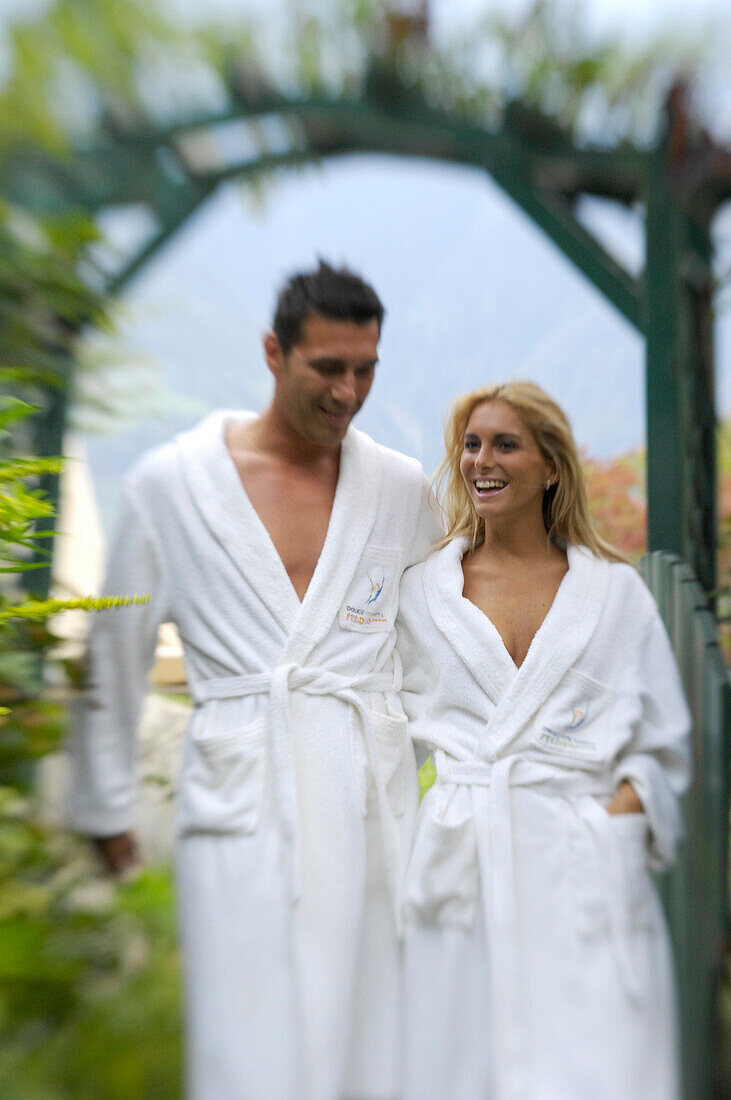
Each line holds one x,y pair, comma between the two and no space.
295,512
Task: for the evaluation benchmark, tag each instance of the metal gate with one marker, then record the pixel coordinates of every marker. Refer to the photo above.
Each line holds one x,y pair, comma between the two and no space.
695,892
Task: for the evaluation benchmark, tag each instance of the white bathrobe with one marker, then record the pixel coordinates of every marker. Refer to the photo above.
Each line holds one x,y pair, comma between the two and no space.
298,786
537,958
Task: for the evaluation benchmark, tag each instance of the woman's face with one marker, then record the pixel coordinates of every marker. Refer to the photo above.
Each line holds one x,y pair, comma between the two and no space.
502,466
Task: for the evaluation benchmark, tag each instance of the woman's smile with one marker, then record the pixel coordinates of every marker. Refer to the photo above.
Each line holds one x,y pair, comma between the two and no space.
488,487
502,465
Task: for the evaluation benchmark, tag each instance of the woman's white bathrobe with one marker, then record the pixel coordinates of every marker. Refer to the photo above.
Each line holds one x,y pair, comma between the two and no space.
298,786
537,958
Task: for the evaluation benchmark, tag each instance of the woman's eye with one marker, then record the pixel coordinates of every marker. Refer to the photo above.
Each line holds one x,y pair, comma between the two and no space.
507,445
471,444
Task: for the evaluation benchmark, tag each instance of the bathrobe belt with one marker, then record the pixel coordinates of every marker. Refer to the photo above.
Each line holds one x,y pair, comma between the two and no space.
490,782
278,685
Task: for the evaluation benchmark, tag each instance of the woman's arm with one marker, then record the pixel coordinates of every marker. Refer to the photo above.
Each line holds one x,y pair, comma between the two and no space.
656,762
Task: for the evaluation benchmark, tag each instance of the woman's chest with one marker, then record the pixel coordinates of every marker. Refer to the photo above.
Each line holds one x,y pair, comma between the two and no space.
515,606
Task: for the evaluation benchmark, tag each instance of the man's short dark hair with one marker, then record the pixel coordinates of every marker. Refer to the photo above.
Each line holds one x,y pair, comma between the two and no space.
337,294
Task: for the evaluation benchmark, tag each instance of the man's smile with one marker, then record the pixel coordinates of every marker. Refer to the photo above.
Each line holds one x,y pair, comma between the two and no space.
337,417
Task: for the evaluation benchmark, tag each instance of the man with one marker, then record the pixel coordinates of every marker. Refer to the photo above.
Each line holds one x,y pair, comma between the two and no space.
276,544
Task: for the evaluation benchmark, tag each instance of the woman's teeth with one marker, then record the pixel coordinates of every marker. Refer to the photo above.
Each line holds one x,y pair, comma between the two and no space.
489,485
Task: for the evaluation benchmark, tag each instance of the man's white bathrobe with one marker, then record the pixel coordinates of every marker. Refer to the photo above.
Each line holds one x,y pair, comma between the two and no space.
537,958
298,785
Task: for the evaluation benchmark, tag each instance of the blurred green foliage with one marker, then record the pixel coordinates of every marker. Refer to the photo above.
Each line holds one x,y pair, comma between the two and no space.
89,981
99,1016
427,776
89,978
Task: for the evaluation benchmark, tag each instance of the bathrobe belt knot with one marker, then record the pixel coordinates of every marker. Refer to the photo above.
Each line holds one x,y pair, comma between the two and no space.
278,684
436,890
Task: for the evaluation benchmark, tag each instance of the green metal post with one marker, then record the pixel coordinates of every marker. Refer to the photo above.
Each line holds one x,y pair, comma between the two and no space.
695,891
666,491
681,448
697,285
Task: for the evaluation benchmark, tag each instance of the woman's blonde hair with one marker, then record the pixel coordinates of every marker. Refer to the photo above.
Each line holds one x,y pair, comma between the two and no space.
565,507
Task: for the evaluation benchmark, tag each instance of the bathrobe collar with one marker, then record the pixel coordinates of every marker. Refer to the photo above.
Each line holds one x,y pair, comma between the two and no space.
233,521
468,631
517,693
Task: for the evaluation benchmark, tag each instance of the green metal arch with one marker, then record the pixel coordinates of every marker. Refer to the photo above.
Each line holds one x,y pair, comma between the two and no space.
157,168
169,170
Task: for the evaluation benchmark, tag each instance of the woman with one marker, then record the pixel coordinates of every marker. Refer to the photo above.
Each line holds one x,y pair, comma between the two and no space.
537,671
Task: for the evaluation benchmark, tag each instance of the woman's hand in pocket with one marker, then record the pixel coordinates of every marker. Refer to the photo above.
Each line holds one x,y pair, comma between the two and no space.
625,801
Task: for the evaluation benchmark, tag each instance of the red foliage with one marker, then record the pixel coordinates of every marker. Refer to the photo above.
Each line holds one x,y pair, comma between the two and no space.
617,502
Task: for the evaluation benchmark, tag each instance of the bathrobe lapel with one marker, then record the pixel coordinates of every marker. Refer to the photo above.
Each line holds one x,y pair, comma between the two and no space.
233,521
557,645
469,632
220,498
353,515
517,693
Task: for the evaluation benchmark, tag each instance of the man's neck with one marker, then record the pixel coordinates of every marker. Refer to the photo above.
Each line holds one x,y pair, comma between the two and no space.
269,435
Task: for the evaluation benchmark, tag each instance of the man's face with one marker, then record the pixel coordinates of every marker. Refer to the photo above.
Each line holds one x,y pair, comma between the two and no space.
325,378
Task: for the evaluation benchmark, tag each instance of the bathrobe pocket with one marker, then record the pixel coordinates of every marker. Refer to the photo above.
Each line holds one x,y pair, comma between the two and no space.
442,881
581,720
370,604
393,746
222,782
612,881
631,833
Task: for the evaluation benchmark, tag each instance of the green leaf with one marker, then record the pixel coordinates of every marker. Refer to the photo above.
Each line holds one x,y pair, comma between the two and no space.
25,954
12,409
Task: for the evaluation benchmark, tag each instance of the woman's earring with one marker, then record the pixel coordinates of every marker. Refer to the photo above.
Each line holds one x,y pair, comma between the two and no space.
548,484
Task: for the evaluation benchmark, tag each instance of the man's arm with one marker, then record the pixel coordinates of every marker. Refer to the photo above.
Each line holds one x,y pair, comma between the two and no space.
428,525
120,652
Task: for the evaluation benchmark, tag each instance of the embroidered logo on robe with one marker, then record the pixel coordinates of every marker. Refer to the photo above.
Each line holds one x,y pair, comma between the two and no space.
369,604
578,717
376,590
558,740
560,736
